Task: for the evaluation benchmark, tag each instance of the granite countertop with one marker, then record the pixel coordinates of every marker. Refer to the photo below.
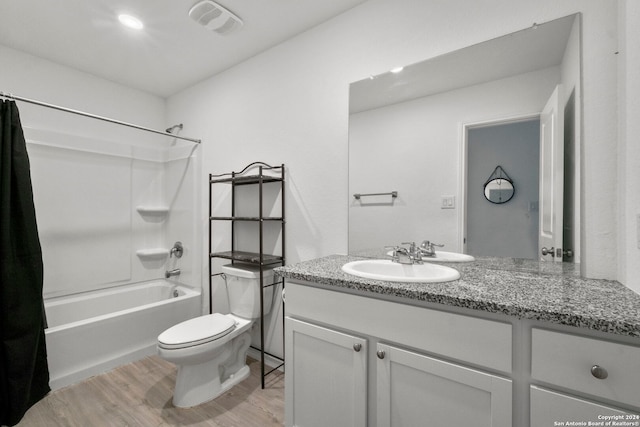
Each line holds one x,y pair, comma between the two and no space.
527,289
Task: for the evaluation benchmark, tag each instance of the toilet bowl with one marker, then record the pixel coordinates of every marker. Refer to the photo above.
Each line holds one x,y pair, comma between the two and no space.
210,351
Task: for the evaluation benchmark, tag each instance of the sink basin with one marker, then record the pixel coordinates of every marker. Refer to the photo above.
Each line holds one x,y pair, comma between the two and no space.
444,256
383,269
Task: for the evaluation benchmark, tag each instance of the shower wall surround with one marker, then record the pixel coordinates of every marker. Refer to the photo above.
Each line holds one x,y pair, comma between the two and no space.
108,212
91,176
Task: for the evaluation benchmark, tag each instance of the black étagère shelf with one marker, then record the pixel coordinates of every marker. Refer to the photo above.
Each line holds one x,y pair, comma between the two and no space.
267,174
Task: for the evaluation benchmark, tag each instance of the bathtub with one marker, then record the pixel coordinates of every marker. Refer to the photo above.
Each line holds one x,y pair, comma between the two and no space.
93,332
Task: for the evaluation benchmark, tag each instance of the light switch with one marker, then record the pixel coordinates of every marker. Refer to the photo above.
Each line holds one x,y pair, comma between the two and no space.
448,202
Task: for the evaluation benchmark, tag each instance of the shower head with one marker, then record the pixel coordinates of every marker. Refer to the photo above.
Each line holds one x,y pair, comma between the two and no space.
172,128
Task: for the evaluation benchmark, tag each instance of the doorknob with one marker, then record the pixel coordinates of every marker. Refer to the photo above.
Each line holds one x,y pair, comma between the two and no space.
546,251
567,253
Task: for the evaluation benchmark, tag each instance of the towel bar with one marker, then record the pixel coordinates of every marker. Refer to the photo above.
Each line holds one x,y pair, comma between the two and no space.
393,194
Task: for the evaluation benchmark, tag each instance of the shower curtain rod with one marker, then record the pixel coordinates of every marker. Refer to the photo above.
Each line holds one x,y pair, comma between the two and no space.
93,116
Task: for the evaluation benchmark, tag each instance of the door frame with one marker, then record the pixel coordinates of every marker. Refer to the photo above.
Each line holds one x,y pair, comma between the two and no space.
552,142
463,150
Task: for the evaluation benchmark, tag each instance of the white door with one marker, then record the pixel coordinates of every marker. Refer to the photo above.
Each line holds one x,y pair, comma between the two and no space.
417,390
551,178
326,377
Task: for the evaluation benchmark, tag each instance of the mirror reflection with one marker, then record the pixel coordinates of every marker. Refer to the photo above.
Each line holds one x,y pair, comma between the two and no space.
499,190
410,131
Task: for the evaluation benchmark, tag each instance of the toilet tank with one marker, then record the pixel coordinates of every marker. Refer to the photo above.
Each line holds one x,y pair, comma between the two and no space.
243,287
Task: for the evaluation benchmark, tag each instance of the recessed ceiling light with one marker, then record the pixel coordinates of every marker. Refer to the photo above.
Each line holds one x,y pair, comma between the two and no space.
397,69
130,21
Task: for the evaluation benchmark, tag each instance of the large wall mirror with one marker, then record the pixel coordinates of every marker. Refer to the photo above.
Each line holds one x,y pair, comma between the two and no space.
422,132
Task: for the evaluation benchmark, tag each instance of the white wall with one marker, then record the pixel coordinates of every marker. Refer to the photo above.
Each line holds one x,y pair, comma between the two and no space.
629,150
32,77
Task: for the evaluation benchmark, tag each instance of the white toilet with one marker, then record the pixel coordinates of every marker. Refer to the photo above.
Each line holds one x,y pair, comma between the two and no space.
211,350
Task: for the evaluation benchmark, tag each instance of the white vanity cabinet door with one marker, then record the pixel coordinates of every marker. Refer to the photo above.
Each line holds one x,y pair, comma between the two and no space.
549,408
326,377
417,390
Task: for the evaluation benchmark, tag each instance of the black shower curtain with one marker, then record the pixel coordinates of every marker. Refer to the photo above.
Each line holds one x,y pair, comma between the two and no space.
24,374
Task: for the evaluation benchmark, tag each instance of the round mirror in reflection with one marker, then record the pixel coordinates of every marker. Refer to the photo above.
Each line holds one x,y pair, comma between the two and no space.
499,190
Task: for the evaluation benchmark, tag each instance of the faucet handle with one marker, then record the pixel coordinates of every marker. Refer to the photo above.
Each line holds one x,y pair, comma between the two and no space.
428,248
394,253
427,244
177,249
412,246
393,248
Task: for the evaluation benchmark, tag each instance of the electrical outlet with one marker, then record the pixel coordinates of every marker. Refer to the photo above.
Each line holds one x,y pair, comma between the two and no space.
448,202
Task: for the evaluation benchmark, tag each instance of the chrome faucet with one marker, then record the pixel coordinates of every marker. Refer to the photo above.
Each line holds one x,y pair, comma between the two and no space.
413,254
402,255
171,273
428,248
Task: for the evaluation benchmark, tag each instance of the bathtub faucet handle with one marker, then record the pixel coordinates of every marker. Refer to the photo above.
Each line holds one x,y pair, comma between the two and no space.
177,249
170,273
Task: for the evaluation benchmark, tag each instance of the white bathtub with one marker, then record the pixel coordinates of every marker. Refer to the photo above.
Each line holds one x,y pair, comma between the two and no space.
96,331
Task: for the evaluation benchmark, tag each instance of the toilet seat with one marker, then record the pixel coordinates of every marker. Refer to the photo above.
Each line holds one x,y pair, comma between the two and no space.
196,331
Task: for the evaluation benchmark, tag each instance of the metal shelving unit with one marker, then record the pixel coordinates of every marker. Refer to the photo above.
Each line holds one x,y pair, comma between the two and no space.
266,175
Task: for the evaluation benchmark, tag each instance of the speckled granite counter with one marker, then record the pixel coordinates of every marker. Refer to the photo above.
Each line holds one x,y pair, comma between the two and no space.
520,288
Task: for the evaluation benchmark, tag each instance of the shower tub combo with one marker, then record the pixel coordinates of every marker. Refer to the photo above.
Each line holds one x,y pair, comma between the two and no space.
93,332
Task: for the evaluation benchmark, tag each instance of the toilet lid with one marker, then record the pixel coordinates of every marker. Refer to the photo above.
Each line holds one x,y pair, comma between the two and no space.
196,331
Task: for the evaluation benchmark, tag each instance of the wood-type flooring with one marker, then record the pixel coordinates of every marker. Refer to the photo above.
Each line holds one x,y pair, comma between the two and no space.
139,395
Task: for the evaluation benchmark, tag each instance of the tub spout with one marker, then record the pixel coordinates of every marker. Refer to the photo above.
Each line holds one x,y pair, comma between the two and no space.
170,273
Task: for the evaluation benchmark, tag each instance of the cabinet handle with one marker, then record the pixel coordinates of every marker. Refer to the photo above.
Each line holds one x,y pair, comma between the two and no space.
599,372
357,347
380,354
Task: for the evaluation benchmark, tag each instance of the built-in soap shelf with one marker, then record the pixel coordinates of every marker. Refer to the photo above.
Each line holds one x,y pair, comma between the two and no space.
150,213
152,210
152,253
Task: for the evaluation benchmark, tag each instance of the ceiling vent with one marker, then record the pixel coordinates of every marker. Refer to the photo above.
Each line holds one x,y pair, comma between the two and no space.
214,17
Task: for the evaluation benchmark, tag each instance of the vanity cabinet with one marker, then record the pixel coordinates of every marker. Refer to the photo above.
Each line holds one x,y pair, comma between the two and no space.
328,372
499,347
414,389
578,375
357,361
